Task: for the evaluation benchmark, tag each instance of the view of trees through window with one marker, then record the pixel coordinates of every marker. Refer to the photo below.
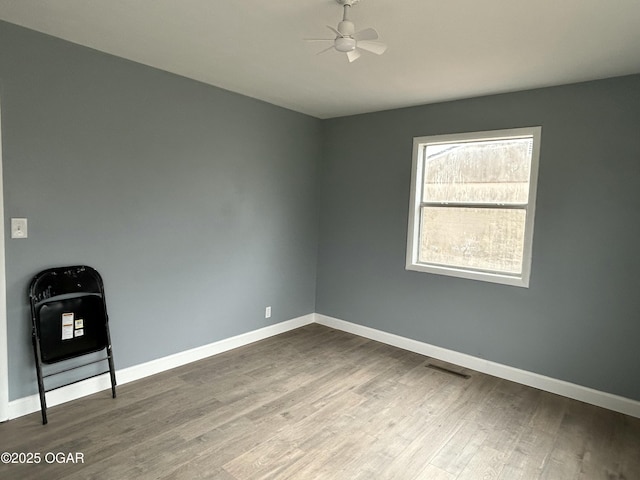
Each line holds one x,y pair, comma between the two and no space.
473,206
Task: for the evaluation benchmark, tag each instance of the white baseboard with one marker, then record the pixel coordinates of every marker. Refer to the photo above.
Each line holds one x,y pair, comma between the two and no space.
548,384
30,404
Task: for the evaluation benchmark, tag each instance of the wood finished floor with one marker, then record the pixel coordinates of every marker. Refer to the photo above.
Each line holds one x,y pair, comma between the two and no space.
316,403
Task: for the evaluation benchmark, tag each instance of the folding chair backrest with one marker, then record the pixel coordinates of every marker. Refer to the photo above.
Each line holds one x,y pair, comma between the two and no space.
69,312
64,281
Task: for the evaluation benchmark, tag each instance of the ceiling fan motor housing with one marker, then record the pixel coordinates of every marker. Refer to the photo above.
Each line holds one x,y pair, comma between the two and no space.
346,28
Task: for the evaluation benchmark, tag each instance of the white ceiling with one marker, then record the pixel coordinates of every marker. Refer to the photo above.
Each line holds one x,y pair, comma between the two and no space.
438,49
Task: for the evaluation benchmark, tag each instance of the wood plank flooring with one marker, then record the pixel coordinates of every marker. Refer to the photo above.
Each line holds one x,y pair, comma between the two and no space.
316,403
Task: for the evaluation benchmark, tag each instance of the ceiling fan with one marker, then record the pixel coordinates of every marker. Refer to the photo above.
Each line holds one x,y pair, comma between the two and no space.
349,41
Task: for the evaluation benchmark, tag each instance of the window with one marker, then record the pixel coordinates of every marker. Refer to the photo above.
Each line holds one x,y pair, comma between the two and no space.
472,205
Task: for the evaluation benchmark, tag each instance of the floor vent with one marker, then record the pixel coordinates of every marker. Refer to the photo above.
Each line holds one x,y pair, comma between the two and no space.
450,372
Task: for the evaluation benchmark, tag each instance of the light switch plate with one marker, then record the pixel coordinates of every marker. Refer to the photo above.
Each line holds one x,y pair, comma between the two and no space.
19,228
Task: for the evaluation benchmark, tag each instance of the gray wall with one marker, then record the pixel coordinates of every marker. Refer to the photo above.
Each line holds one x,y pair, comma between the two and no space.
580,319
197,205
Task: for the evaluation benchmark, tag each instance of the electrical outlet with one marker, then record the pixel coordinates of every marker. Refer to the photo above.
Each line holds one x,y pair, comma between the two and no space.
267,312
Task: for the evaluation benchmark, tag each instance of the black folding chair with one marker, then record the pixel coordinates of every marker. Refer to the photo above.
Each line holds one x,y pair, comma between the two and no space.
69,318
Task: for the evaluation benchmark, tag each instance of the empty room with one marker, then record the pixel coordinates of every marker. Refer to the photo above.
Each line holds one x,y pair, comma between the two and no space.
319,239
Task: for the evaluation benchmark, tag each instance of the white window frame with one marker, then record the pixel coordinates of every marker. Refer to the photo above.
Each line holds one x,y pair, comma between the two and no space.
417,172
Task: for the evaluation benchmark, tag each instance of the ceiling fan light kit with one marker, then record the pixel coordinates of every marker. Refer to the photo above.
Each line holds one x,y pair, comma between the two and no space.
349,41
345,44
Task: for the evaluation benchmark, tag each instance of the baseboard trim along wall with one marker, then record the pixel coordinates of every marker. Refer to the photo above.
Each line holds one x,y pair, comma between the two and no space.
30,404
548,384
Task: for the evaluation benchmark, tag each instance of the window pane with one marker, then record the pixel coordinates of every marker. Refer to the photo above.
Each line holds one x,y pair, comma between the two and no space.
482,238
493,171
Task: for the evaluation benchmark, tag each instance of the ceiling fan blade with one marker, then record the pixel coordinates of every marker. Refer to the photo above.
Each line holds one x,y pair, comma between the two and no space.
353,55
325,50
374,47
366,34
334,30
319,39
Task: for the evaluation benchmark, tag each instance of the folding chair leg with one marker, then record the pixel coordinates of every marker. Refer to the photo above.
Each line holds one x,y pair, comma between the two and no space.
41,390
43,407
112,371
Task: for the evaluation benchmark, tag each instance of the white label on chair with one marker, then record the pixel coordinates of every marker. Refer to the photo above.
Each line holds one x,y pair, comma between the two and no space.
79,323
79,332
67,326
